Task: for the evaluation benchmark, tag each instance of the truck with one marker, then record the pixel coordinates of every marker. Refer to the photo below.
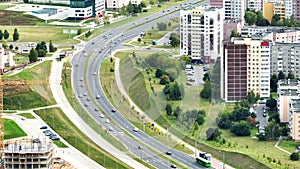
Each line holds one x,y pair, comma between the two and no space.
204,159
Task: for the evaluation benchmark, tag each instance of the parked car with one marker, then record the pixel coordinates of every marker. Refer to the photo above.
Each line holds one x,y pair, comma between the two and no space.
43,127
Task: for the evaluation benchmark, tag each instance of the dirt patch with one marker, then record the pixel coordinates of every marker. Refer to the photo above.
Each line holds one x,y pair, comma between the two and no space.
17,18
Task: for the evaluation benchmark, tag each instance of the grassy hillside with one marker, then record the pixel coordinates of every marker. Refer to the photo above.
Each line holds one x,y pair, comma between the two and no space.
12,130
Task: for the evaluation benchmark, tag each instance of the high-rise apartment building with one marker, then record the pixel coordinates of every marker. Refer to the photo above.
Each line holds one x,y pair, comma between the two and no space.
256,5
288,8
286,58
294,119
296,9
201,33
234,9
245,67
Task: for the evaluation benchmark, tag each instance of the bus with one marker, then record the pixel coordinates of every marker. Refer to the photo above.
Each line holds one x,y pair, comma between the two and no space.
204,159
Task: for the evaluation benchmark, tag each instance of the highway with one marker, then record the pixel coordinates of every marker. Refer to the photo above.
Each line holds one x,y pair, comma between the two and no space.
87,86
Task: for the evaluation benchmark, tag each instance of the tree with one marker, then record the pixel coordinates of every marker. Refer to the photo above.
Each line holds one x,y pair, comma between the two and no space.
291,75
162,26
6,34
177,111
206,91
123,10
172,91
159,73
174,40
273,83
11,47
224,121
261,21
281,75
168,109
239,114
187,60
200,119
234,34
33,55
41,48
4,44
251,98
294,156
51,47
250,17
272,104
129,7
16,48
272,130
16,35
143,4
241,128
164,79
1,35
213,134
206,77
276,20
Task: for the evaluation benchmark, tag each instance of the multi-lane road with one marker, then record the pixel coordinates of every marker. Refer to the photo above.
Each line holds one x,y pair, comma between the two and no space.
86,84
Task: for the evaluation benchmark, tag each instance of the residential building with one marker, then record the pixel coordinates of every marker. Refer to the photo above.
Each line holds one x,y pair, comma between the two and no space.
6,59
28,153
234,9
82,9
216,3
287,90
288,105
271,8
289,6
294,119
245,67
296,9
256,5
201,33
229,25
116,4
286,58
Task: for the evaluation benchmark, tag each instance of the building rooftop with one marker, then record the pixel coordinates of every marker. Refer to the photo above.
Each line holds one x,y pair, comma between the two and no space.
27,145
288,82
289,92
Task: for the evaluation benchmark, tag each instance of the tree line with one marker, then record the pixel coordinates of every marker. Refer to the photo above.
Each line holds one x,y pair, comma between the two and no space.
40,51
5,35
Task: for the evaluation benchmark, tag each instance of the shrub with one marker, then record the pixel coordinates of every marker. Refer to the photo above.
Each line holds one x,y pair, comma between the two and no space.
294,156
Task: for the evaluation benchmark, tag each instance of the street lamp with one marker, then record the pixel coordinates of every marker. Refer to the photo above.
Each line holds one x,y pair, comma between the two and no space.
223,158
20,105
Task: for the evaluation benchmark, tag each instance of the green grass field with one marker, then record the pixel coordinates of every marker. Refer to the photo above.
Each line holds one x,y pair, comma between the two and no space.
34,93
60,144
12,130
57,120
27,115
42,33
289,145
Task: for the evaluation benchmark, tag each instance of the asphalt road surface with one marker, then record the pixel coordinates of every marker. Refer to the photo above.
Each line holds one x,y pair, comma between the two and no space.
88,82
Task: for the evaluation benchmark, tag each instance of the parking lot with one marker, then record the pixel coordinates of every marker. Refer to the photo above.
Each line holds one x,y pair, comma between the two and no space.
195,75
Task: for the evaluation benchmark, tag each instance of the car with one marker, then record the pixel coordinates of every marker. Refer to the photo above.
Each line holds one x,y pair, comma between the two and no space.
86,104
93,43
169,153
94,73
101,116
110,129
82,85
80,96
43,127
85,94
265,115
135,129
113,110
173,166
98,96
54,138
81,78
149,48
107,121
96,109
76,64
46,131
100,51
22,118
88,99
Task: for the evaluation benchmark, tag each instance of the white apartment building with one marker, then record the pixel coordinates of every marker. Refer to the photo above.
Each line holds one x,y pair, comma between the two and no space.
116,4
294,119
99,7
83,9
201,33
234,9
288,8
246,66
6,59
66,2
256,5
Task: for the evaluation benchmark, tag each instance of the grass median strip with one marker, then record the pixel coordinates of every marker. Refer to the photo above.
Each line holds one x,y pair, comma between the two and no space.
56,119
12,130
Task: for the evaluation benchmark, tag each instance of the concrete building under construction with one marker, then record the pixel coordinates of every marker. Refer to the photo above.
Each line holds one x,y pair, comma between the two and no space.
28,154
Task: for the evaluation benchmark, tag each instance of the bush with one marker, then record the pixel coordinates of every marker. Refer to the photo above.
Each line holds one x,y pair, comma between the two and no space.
145,10
294,156
159,5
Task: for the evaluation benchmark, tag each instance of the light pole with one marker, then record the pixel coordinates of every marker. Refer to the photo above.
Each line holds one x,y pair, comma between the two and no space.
20,105
223,159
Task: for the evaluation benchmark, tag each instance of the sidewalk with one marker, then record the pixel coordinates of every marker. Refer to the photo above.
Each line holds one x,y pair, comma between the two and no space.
217,164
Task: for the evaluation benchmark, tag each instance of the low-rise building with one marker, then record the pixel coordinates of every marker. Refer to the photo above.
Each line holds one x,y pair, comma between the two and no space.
6,59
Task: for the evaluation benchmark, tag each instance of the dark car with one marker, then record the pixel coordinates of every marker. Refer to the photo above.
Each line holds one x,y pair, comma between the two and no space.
169,153
43,127
54,138
113,110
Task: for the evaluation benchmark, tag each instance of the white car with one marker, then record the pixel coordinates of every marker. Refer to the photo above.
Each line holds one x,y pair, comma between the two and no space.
101,115
107,121
135,129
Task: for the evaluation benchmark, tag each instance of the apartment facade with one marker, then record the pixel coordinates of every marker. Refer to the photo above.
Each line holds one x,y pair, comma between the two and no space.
229,25
271,8
286,58
234,9
296,9
294,119
216,3
201,33
246,67
116,4
256,5
82,9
